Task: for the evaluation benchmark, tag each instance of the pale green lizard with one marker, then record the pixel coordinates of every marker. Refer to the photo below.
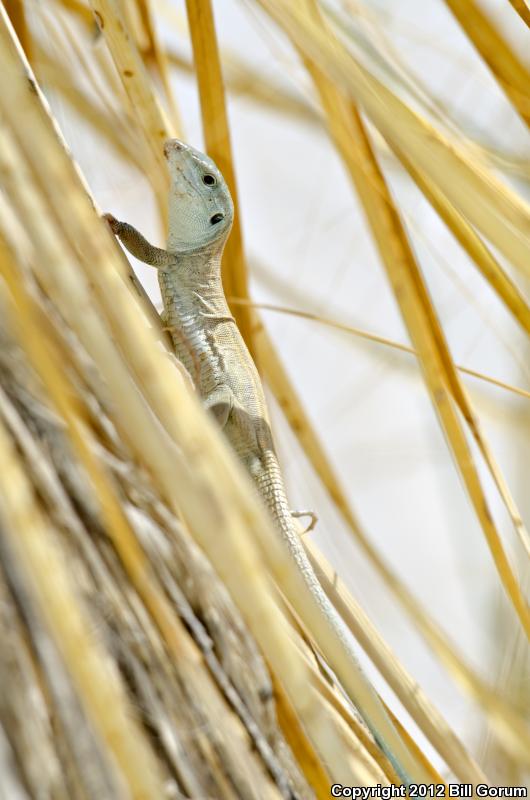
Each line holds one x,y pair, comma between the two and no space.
208,342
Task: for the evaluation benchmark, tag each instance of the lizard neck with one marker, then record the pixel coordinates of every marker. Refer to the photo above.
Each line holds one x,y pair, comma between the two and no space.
196,270
194,285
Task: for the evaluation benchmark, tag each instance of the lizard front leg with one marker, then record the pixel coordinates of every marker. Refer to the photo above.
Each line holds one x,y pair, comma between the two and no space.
138,245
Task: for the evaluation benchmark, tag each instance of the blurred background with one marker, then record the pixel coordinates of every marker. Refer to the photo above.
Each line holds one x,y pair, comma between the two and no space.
309,249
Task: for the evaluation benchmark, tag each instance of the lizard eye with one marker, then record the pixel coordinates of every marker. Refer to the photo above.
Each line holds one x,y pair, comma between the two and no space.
216,218
209,180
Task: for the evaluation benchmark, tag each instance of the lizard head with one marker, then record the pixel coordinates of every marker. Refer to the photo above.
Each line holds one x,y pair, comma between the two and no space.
200,206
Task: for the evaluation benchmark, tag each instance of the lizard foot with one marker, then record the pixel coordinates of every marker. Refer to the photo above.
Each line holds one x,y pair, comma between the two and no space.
311,514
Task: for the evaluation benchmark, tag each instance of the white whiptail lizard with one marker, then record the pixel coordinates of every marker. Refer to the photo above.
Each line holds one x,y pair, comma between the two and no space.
208,342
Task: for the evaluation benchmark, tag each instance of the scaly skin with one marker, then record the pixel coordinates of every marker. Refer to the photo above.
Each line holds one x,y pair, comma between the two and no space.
208,343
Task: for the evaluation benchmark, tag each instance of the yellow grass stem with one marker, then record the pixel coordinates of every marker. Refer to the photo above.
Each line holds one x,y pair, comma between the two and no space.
79,8
182,649
434,775
216,132
17,14
513,299
523,9
296,738
479,253
244,80
159,57
510,72
352,728
145,108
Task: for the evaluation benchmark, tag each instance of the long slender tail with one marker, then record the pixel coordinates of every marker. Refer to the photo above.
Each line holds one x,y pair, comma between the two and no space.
270,486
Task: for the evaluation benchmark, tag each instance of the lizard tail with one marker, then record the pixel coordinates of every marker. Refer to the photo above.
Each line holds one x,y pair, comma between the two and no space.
270,486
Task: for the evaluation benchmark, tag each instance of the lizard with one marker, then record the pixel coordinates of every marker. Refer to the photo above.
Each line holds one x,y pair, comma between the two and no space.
207,341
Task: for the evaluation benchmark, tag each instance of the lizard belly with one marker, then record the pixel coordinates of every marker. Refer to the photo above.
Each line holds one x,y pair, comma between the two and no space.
218,361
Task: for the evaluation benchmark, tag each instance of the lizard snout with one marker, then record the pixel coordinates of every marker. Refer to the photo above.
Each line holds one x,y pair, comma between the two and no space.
174,144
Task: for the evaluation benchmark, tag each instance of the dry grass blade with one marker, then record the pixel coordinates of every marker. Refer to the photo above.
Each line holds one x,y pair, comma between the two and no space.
374,761
509,293
477,250
157,52
80,9
217,141
509,71
374,337
514,300
244,80
521,7
303,751
434,777
47,364
17,14
152,122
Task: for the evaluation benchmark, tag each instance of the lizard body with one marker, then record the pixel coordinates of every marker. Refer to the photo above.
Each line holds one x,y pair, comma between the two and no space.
207,341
